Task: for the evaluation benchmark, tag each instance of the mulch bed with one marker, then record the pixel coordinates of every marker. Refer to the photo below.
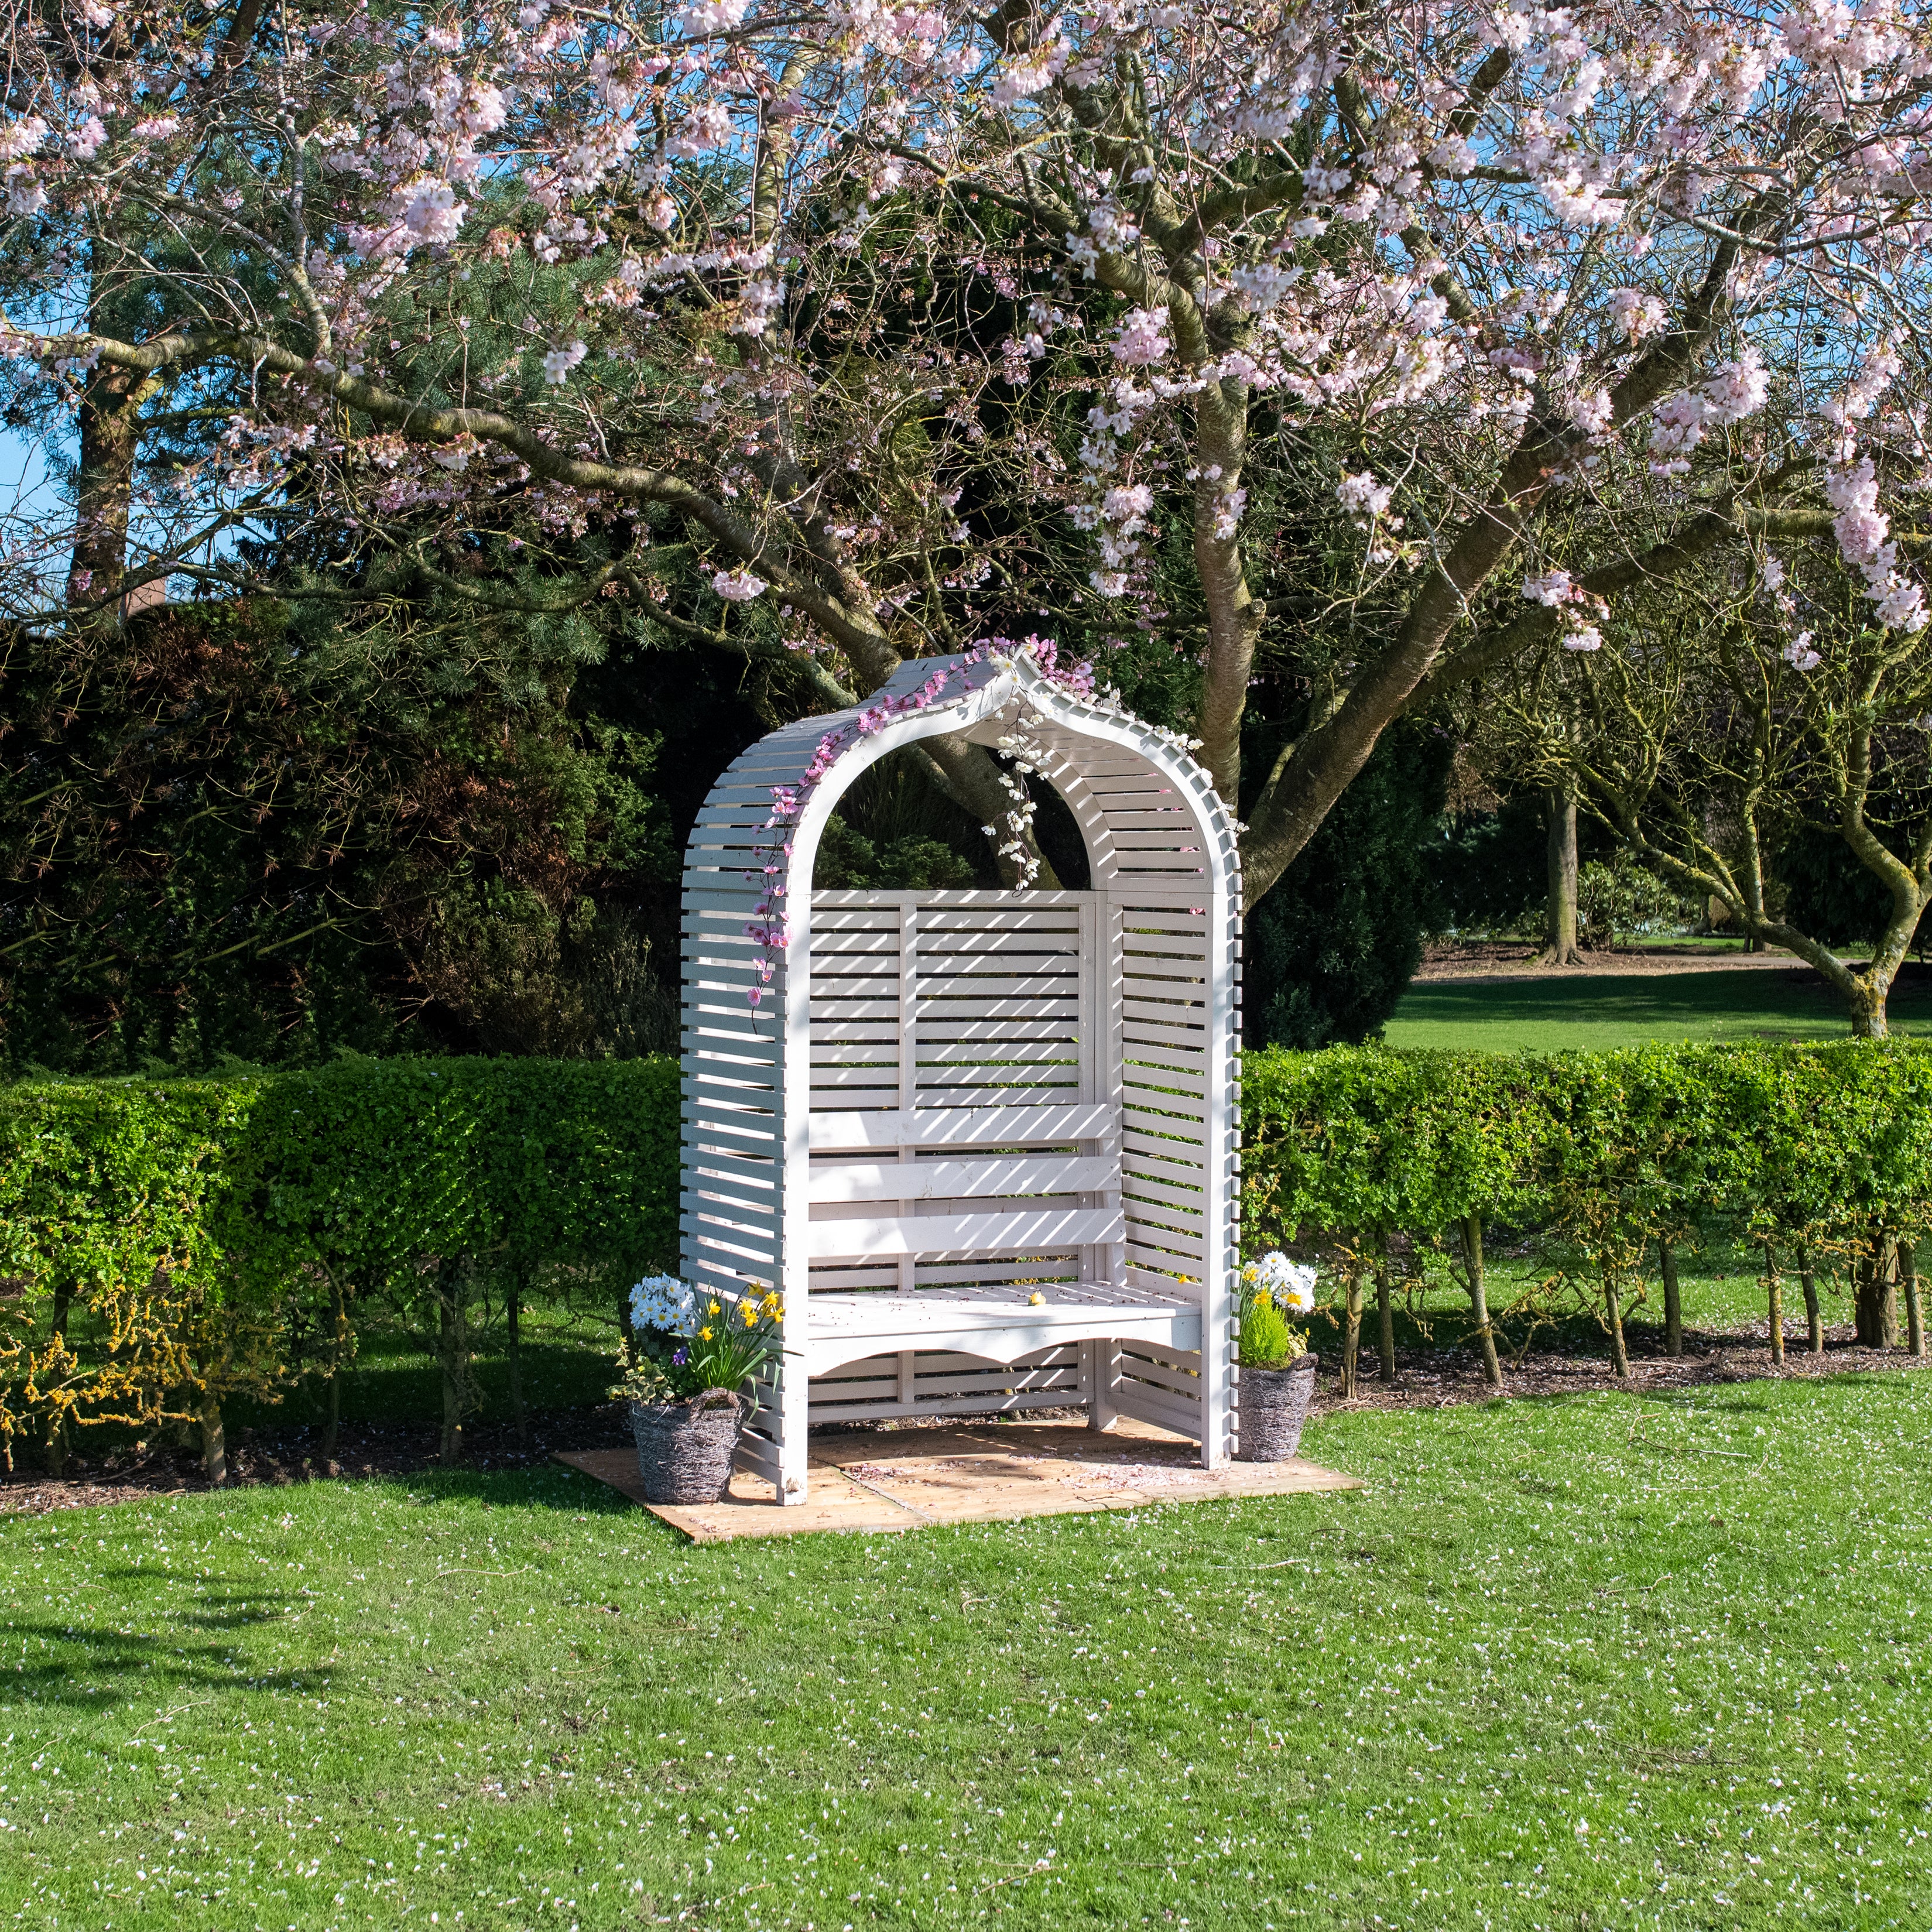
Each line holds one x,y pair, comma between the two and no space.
1425,1378
1436,1378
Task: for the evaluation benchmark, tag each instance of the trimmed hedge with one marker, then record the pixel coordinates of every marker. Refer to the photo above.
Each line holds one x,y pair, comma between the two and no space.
163,1244
1795,1142
1809,1153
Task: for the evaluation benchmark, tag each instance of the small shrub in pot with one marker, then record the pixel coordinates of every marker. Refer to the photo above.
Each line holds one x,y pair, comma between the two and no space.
690,1372
1277,1370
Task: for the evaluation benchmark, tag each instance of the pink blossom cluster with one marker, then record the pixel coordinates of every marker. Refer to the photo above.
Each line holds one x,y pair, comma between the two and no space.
769,929
1324,208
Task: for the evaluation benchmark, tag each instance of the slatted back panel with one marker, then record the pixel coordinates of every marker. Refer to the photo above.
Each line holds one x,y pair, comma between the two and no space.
960,1003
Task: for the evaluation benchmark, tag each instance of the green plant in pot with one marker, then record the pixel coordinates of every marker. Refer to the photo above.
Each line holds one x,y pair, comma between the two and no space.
690,1372
1277,1366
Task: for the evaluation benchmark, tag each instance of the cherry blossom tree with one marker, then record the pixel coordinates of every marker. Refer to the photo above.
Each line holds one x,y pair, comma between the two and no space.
826,326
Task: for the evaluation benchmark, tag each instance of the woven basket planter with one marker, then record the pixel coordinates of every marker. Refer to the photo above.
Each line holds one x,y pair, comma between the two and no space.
1272,1405
685,1448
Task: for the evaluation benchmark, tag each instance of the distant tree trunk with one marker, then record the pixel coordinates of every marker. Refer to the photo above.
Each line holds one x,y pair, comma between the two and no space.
1351,1332
1479,1299
513,1310
1619,1353
1774,1284
1814,1318
213,1439
1385,1324
1908,1275
1673,1301
1559,925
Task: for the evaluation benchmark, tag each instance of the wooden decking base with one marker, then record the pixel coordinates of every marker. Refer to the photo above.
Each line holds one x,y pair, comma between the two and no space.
875,1479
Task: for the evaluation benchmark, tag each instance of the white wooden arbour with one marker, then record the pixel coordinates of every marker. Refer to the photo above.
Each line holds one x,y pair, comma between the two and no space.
983,1143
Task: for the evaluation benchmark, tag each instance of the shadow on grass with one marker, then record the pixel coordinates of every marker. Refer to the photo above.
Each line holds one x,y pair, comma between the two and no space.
94,1667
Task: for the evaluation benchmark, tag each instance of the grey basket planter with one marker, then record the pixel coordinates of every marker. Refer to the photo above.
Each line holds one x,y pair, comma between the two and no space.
1271,1405
685,1448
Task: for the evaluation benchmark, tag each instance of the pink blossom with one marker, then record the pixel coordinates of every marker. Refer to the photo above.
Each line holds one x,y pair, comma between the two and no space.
1636,314
1142,339
739,587
1361,495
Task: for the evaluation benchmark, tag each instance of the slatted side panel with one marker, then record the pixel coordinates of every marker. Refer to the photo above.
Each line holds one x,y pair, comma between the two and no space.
963,1002
862,944
1160,1386
934,1381
733,1056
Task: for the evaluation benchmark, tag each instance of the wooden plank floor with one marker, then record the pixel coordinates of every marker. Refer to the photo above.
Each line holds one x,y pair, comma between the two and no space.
975,1472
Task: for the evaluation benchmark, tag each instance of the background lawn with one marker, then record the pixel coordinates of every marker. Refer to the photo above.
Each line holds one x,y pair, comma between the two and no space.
1604,1660
1599,1010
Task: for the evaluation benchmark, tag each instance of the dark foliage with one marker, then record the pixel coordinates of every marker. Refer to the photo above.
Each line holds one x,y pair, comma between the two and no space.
1330,950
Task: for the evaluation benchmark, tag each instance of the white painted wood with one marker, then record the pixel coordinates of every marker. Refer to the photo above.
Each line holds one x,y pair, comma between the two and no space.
963,1127
1022,1230
943,1103
953,1180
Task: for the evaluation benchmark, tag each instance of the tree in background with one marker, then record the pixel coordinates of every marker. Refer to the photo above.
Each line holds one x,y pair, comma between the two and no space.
844,311
1706,734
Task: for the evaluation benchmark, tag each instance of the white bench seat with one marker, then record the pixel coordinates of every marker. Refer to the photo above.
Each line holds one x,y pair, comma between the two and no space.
994,1323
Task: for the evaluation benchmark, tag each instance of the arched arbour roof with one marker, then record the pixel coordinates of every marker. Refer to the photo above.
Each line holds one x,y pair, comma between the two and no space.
1164,884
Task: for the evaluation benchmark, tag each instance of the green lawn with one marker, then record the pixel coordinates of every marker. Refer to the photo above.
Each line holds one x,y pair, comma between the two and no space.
1596,1009
1604,1660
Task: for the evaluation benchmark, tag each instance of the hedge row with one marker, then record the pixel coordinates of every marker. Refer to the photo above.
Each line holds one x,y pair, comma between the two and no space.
1815,1155
163,1245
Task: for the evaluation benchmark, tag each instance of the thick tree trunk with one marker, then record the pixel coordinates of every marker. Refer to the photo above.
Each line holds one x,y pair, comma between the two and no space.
213,1439
1814,1316
1875,1301
1559,924
108,438
1673,1301
1867,1008
1619,1353
1479,1300
1234,620
1384,1324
